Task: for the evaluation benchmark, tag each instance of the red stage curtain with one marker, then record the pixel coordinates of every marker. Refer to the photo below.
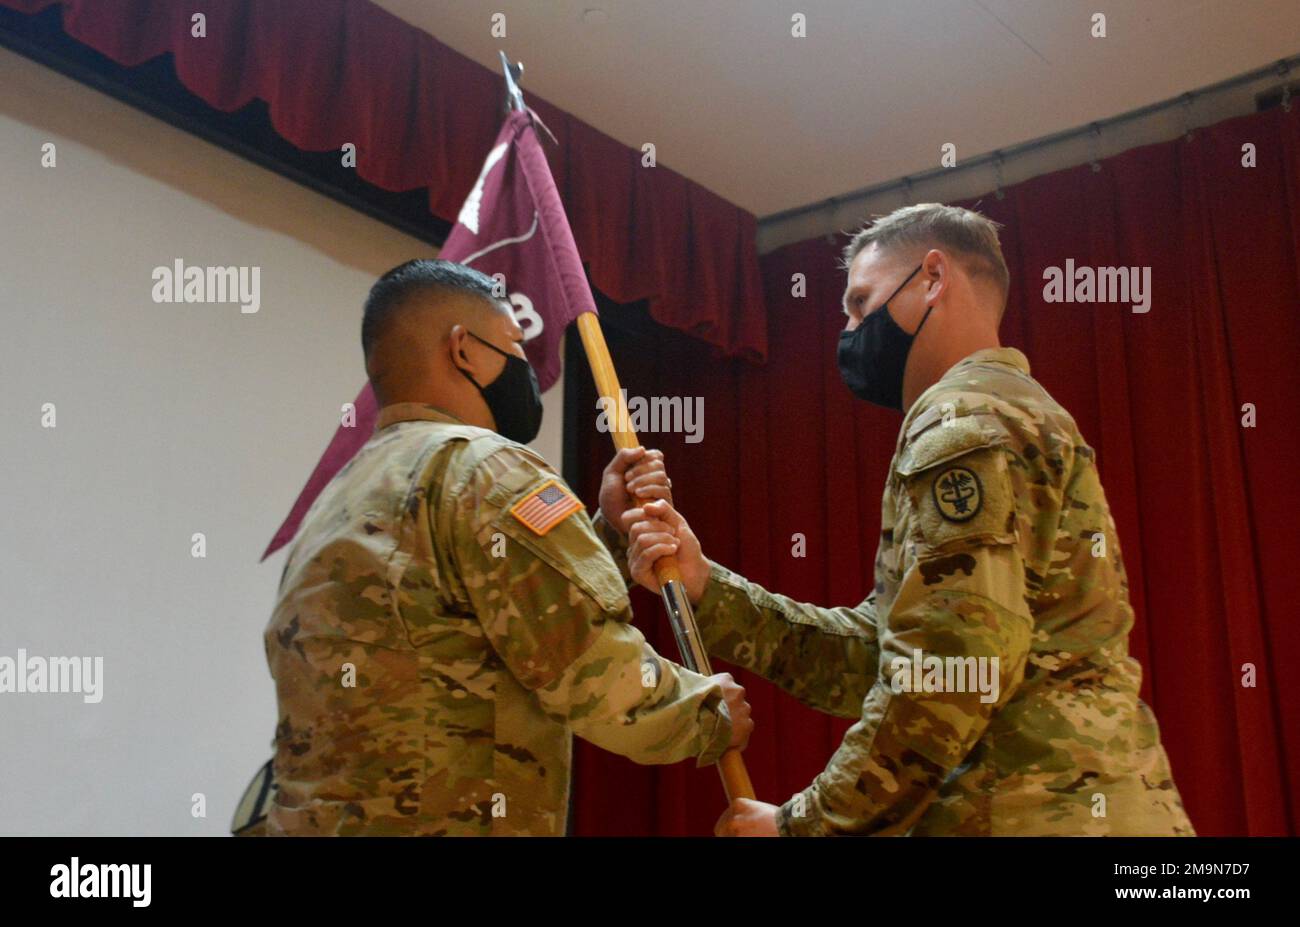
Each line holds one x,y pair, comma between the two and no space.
422,115
1206,508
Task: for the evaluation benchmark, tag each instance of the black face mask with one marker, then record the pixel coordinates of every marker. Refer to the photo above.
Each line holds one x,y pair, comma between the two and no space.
513,398
873,356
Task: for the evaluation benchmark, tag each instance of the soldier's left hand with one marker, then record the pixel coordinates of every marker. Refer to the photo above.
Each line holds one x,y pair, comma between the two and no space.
633,472
747,818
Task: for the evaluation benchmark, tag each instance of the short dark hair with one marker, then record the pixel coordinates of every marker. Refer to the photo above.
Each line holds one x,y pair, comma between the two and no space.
396,288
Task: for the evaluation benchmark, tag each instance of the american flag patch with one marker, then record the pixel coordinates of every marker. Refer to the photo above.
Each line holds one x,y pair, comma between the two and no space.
545,507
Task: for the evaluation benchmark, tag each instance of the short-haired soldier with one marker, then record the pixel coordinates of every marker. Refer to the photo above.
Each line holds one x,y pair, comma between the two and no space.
449,616
997,563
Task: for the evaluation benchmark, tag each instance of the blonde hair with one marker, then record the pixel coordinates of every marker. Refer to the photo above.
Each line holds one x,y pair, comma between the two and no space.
933,225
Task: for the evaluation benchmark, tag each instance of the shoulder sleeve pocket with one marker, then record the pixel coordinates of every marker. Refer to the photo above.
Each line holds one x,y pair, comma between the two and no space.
571,548
959,486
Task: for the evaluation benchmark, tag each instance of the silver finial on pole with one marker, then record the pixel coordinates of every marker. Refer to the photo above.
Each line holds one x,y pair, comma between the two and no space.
514,72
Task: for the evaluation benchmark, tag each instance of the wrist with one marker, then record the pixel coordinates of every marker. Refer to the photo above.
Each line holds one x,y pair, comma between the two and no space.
699,583
720,740
608,530
794,818
602,517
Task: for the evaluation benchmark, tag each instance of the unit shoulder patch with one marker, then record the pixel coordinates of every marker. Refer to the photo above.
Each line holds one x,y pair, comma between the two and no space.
958,494
545,507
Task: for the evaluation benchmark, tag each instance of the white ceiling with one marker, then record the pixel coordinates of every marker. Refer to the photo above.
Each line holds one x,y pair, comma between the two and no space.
770,122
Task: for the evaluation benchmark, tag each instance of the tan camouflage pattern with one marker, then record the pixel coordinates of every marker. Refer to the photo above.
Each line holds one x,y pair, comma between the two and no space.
479,648
1067,747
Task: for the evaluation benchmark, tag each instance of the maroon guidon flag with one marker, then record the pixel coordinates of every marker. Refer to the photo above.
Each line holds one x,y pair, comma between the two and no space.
512,224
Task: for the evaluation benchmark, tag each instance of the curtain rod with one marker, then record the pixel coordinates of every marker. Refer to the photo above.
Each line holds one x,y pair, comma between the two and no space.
1280,68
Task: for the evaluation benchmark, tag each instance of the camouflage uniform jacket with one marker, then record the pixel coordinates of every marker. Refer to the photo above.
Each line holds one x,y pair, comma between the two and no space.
996,542
445,623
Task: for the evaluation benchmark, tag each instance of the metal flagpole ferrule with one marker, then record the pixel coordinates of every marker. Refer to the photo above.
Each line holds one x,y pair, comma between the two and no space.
682,619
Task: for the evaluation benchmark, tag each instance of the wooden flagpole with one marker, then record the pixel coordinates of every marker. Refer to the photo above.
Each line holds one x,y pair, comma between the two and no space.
735,777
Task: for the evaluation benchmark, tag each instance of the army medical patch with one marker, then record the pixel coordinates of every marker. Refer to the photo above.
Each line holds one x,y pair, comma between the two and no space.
545,507
958,494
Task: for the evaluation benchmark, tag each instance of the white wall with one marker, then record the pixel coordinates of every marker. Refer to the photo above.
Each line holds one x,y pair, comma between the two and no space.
171,420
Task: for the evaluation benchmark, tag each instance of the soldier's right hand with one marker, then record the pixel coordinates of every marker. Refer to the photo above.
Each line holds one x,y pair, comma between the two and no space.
656,530
742,725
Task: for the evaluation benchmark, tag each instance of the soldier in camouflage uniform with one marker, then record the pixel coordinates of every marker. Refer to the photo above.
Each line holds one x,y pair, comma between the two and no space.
996,544
449,616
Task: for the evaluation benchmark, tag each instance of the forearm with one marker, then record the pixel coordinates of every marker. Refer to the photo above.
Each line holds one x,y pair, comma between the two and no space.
625,698
916,726
825,657
873,785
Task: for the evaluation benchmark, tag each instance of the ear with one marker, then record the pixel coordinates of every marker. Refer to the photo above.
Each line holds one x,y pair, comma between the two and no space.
937,271
456,339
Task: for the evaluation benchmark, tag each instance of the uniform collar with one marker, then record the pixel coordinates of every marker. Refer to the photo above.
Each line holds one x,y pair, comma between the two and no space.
413,412
1008,356
924,413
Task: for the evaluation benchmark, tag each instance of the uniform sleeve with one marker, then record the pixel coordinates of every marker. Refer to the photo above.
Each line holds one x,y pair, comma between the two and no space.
616,543
953,647
825,657
554,608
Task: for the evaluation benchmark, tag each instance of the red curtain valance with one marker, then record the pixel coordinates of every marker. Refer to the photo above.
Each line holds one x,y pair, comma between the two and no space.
423,115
